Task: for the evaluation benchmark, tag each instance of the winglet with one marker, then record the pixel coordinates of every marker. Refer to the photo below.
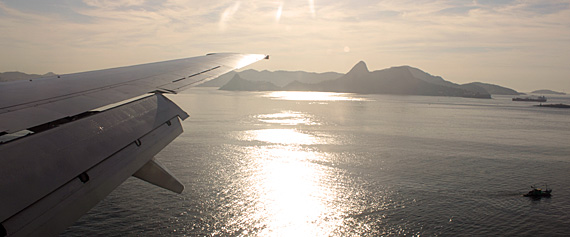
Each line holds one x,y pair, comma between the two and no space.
154,173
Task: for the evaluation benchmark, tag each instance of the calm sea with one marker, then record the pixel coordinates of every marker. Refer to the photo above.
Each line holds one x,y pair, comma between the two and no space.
334,164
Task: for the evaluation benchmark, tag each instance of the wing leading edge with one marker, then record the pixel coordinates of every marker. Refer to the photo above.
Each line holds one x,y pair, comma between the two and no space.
25,104
76,157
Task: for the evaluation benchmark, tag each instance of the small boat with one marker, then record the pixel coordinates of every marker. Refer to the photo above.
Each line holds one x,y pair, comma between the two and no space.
537,192
534,99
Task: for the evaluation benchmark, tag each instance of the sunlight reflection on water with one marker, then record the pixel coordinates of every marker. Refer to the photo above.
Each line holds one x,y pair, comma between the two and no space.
313,96
287,118
279,136
294,195
293,190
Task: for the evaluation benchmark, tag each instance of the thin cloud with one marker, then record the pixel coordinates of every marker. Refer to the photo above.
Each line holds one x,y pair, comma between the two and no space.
227,15
279,12
430,34
312,8
112,4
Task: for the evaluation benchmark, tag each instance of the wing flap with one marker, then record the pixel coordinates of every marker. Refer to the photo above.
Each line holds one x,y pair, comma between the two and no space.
62,153
155,173
51,214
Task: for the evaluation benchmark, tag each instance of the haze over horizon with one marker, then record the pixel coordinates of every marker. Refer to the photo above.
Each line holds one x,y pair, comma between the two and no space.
524,45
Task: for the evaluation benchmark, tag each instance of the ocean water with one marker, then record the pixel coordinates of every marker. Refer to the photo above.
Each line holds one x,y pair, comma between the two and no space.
334,164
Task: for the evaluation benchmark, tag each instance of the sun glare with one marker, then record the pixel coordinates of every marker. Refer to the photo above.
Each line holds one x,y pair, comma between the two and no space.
295,193
291,191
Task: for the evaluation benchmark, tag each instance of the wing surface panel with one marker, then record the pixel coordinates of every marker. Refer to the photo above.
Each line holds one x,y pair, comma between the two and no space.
53,213
56,97
64,152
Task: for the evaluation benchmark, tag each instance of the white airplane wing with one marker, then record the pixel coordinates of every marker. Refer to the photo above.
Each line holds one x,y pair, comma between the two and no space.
69,156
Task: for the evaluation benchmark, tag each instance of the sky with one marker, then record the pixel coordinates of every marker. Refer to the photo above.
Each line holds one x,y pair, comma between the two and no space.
520,44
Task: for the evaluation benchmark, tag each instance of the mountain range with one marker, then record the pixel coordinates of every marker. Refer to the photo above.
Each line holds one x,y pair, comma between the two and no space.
402,80
550,92
14,76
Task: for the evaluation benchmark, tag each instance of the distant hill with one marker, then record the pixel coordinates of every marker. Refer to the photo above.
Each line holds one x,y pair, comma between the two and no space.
239,84
496,90
403,80
440,81
14,76
279,78
550,92
219,81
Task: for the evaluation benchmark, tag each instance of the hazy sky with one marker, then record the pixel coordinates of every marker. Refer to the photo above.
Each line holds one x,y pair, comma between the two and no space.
521,44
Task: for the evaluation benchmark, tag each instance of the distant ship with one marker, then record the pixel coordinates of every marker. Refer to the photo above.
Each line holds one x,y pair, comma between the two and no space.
534,99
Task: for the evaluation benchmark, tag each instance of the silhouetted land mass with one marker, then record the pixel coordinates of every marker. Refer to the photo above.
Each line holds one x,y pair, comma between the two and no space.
550,92
561,106
14,76
496,90
403,80
239,84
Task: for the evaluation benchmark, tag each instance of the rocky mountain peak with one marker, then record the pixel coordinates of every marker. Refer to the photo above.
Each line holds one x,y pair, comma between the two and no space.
359,68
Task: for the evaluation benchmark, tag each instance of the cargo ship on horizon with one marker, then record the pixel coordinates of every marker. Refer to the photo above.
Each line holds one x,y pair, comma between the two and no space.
532,99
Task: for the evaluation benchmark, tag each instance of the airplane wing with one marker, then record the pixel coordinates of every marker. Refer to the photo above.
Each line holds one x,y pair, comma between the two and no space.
78,137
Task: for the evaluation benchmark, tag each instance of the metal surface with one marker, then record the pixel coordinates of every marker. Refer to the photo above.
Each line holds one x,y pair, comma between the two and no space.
154,173
52,214
24,104
76,157
37,165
